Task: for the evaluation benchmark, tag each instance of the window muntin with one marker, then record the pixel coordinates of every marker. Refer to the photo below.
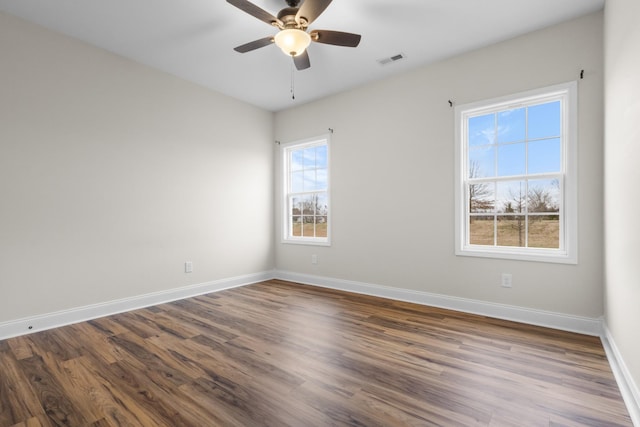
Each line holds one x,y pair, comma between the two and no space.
306,184
516,176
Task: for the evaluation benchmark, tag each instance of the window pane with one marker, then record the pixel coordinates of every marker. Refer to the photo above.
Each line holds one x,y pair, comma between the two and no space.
544,195
321,226
322,205
544,231
321,179
481,197
511,125
511,197
481,230
482,162
321,157
296,160
544,156
296,226
544,120
296,206
308,205
308,226
309,158
511,159
310,180
297,182
482,130
511,230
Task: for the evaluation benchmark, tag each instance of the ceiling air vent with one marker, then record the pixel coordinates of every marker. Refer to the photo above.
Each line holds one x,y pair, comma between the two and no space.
394,58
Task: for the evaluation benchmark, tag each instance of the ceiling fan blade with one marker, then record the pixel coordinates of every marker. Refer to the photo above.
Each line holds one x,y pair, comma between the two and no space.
311,9
255,11
256,44
337,38
302,61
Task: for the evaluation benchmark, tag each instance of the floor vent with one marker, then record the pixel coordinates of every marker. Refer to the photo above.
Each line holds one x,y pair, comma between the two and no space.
394,58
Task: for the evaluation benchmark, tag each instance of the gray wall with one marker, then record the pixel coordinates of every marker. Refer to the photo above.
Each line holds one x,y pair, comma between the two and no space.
393,182
112,175
622,175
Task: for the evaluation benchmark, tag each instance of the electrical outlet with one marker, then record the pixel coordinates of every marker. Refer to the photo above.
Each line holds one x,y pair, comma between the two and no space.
507,280
188,267
314,259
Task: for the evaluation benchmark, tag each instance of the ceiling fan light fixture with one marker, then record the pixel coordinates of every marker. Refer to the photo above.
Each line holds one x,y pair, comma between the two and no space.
292,41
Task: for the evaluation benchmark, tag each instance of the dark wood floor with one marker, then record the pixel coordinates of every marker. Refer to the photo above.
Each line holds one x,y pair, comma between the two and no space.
281,354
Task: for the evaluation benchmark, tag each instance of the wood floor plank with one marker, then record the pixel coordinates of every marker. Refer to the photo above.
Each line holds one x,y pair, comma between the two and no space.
284,354
166,346
199,324
94,342
52,395
18,401
31,422
21,347
101,398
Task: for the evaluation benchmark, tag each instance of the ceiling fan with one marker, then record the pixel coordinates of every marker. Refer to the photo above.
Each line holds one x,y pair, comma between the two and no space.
292,22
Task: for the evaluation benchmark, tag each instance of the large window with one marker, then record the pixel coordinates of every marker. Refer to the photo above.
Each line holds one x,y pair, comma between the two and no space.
516,176
306,190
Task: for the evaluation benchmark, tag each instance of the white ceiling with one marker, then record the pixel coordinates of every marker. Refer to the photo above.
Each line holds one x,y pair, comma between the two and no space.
194,39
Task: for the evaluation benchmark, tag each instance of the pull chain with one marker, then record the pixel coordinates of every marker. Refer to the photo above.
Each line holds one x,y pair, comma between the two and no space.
293,86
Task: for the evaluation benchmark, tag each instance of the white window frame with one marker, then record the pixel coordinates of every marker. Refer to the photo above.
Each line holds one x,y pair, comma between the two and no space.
285,150
568,251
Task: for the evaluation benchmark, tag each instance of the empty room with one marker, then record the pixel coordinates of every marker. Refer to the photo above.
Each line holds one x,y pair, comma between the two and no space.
319,213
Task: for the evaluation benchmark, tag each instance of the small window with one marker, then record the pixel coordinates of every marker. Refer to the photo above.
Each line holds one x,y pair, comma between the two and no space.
516,176
306,185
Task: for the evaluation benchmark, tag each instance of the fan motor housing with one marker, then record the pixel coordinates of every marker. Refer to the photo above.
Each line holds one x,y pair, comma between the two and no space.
288,17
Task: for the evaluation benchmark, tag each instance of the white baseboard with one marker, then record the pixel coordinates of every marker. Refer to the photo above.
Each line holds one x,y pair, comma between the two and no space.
584,325
565,322
628,388
66,317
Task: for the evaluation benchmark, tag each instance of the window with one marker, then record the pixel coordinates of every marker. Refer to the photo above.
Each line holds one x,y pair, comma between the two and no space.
306,189
516,176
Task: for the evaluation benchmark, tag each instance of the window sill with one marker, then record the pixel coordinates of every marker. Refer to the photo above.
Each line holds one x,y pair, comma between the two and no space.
540,255
308,242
